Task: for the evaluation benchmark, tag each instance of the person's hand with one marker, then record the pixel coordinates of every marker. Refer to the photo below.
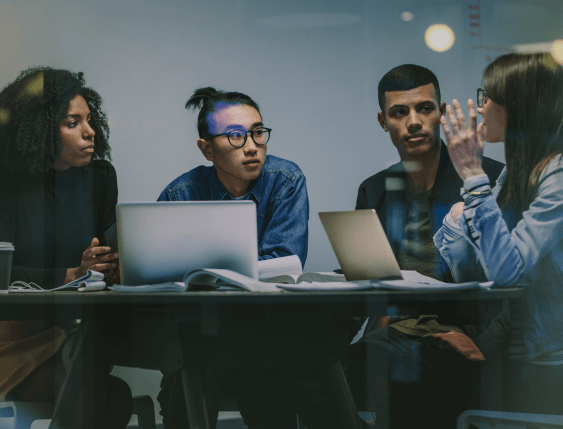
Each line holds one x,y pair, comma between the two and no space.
95,258
113,277
465,144
456,211
455,342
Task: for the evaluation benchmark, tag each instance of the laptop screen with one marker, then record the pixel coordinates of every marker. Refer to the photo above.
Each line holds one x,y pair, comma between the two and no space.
160,242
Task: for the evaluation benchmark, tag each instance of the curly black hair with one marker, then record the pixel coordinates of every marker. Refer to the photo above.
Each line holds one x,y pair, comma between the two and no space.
31,109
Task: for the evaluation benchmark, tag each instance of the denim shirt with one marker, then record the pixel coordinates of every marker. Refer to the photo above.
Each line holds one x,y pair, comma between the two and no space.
531,254
282,205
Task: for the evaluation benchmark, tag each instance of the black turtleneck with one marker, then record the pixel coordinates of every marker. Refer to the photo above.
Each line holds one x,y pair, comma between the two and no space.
52,218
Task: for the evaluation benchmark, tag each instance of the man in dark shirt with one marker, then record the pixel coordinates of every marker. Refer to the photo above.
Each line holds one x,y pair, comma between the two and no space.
411,198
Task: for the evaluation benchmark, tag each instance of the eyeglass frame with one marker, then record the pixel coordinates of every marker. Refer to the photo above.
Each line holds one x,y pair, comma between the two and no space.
245,136
479,91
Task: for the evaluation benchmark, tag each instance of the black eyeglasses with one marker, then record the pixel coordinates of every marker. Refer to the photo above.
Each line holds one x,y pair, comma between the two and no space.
237,138
481,97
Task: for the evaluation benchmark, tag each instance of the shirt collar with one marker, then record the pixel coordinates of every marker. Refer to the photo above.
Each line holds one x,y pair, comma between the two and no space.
219,193
501,178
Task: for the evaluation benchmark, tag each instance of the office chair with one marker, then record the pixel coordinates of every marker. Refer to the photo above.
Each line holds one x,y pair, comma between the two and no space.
25,413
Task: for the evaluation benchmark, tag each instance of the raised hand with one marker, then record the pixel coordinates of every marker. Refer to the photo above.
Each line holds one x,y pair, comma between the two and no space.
456,211
465,144
96,258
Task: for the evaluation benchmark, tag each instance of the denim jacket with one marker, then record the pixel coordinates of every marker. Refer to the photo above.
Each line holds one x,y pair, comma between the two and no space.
282,205
531,254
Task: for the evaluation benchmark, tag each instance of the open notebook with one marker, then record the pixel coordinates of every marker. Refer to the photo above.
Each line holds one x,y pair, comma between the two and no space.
93,281
227,280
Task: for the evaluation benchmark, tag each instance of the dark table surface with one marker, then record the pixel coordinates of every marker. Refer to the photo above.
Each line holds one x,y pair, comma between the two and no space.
33,306
165,314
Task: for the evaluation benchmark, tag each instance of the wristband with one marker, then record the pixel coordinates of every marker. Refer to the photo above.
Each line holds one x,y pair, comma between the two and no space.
477,193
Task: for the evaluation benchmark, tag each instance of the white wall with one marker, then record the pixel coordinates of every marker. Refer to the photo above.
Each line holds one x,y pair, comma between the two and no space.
316,85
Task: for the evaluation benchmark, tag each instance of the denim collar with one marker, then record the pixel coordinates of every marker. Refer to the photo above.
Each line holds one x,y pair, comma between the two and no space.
219,193
501,178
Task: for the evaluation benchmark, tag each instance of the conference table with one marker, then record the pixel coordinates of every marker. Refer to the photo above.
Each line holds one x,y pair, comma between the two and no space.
192,331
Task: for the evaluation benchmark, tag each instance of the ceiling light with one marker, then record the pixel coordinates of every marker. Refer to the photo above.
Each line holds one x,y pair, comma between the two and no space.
407,16
439,37
557,50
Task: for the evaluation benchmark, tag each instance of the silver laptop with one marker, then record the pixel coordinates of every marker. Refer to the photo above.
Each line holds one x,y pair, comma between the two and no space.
161,242
360,245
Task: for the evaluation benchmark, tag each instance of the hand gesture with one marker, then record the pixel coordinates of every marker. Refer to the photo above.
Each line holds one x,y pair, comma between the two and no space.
96,258
465,145
113,277
456,211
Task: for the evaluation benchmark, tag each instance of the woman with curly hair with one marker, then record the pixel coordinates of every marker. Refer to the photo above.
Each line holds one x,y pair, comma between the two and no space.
57,198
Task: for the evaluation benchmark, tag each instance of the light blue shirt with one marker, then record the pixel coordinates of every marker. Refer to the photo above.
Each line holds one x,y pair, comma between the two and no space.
531,254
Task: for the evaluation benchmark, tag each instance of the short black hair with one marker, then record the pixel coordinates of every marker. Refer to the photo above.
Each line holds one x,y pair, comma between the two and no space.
405,78
31,109
206,99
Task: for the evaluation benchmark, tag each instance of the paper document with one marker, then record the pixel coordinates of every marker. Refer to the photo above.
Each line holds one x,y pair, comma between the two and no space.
93,281
408,285
286,265
412,280
205,279
160,287
327,286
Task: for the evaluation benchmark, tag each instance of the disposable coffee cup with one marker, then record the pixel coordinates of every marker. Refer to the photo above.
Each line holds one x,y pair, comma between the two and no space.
6,251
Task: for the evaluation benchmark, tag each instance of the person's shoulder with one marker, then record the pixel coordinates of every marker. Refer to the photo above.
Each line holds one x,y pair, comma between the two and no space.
378,179
279,166
101,166
194,177
100,171
554,166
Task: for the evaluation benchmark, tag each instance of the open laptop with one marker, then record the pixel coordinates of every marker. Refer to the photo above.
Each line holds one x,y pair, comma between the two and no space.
161,242
360,245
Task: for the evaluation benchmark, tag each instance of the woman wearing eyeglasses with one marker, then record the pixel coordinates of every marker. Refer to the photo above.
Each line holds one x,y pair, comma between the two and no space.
513,233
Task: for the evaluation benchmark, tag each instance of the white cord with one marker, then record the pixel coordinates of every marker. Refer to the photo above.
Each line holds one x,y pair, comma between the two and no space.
19,285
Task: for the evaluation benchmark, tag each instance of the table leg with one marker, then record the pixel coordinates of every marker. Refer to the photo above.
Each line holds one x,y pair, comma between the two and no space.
213,393
195,398
72,386
343,397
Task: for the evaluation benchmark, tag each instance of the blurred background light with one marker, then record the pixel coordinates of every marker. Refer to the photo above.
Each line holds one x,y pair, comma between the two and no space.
532,47
557,50
439,37
311,20
407,16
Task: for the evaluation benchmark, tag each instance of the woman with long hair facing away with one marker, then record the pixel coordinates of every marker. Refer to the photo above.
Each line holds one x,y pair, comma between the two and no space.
58,193
513,233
